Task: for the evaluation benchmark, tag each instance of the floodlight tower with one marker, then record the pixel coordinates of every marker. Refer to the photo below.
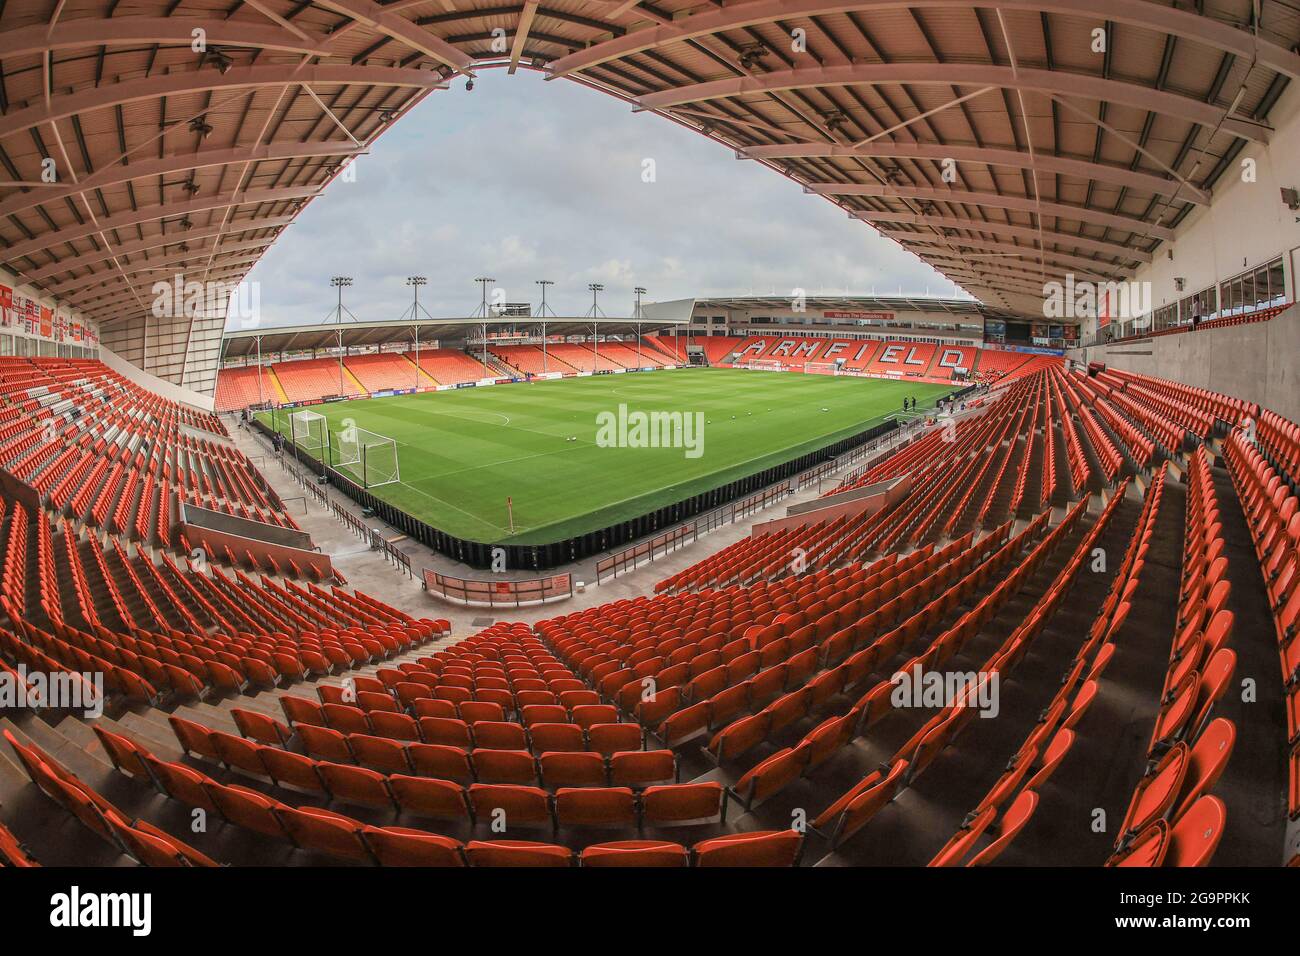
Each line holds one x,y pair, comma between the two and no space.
484,282
640,291
544,308
340,283
542,312
596,288
414,312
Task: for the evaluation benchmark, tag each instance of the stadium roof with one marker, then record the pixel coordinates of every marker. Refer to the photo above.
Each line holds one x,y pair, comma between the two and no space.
243,343
1000,140
872,303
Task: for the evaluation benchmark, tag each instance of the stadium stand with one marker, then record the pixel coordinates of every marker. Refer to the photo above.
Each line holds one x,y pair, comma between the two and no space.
671,348
530,360
244,387
626,354
380,372
882,359
1052,620
901,359
308,380
762,668
1220,322
584,358
450,366
97,448
718,347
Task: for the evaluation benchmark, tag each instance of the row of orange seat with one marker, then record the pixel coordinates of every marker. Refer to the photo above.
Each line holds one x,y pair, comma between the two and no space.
1171,820
96,450
1273,515
1052,737
263,632
853,810
1279,440
395,773
1108,455
339,836
26,380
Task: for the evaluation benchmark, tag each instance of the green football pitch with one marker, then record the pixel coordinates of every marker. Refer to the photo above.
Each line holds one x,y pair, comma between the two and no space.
462,453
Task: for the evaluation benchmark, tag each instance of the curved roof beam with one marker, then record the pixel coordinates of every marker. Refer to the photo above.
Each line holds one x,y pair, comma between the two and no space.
402,30
996,266
164,31
132,295
166,269
138,247
1054,82
1025,286
168,210
116,174
972,280
1018,203
199,81
1016,232
1084,169
1062,259
989,269
1173,21
995,278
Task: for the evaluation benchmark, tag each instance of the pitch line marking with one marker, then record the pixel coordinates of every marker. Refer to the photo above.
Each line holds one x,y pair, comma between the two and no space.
507,461
475,411
475,517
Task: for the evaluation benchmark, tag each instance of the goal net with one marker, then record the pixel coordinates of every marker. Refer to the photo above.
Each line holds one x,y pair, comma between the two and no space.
367,457
822,368
308,430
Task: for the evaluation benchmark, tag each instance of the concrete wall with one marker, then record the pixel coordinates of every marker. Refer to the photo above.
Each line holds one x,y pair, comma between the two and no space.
199,536
1256,362
871,499
196,517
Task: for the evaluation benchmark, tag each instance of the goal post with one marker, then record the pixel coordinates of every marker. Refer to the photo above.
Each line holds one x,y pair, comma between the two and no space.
309,431
367,457
822,368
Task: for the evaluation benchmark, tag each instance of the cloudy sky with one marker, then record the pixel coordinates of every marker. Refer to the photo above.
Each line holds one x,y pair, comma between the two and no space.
523,179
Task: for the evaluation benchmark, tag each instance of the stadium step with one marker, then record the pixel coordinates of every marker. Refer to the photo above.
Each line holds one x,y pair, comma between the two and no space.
1110,748
925,814
1255,768
281,397
38,821
424,378
353,380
